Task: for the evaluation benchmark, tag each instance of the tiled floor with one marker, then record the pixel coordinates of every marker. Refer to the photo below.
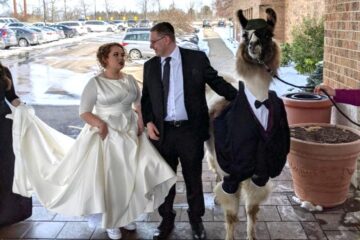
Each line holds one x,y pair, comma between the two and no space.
279,218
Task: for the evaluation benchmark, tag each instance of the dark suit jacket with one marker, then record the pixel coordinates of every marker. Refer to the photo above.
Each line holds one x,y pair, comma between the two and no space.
197,72
243,148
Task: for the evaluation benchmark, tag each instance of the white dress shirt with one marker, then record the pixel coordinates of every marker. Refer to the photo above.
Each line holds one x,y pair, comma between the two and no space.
261,113
175,103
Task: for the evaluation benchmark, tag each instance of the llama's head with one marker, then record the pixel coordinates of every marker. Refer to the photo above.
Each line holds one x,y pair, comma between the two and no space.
257,44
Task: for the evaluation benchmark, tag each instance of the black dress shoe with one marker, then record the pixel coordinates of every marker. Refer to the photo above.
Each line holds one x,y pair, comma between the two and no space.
163,231
198,231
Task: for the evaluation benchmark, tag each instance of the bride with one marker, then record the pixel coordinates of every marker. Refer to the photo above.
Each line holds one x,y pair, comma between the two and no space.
111,170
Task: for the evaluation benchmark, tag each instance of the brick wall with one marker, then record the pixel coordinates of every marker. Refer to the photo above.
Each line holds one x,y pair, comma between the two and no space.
342,55
342,43
289,13
295,11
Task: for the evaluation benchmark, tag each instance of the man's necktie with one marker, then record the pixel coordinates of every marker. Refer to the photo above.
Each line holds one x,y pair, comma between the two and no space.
265,103
166,80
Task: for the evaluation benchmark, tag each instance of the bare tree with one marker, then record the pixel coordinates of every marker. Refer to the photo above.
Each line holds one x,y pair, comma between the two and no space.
44,10
65,6
53,10
172,5
25,8
75,13
224,8
107,9
84,7
178,18
157,2
206,12
144,6
15,8
191,9
95,9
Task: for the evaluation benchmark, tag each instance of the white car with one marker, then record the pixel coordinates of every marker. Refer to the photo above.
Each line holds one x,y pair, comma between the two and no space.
99,26
77,25
120,24
5,20
137,44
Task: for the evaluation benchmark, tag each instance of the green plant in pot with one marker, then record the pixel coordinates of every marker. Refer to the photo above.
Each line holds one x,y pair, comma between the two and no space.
306,52
322,160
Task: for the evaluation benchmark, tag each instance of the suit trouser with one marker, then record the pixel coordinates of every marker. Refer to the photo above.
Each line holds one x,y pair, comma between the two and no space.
182,143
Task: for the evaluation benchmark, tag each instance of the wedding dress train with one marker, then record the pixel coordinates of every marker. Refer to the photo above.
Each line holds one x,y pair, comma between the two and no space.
119,177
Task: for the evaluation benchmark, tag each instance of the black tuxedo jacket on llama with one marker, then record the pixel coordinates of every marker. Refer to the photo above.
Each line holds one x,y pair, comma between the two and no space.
197,72
244,148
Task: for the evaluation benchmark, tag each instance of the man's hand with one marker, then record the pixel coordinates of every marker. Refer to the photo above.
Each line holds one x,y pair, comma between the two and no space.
152,131
140,125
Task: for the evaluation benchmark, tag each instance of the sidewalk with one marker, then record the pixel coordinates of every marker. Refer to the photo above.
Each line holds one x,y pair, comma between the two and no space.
279,216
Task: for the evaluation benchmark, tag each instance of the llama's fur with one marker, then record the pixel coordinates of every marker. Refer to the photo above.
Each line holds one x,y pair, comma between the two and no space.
257,79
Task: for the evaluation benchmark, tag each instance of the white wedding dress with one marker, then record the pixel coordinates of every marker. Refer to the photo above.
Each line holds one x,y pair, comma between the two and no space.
118,178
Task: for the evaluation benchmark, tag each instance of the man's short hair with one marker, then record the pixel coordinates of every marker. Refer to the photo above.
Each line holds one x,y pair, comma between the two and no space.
165,29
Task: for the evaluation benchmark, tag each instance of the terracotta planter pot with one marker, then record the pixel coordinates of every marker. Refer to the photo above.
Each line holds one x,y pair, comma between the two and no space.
321,172
307,108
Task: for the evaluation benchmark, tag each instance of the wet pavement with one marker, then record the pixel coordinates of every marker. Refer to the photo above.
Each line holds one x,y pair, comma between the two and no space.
279,217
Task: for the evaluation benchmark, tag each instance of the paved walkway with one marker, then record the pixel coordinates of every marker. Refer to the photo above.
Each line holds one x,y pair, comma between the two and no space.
279,216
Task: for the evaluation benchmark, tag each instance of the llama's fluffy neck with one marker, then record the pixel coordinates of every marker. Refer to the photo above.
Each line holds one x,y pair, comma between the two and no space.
258,86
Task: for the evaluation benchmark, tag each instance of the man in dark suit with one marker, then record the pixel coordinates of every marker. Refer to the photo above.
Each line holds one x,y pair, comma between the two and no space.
175,113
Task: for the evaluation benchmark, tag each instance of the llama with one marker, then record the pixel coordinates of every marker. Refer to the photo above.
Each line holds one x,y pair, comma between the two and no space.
244,164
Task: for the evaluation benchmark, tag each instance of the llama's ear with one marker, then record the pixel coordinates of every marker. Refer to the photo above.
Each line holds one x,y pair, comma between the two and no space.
243,21
271,17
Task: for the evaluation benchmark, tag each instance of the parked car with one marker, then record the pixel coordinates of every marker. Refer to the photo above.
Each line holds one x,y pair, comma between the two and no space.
190,37
41,35
2,44
137,44
120,24
206,24
221,23
5,20
59,34
41,24
8,19
138,29
17,24
144,23
131,23
77,25
25,36
99,26
8,38
187,44
69,32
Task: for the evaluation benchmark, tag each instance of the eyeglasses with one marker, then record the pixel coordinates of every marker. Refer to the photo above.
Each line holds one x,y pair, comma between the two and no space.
154,41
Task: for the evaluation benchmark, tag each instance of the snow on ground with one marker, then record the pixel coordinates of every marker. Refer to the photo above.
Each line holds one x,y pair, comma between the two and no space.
19,50
287,73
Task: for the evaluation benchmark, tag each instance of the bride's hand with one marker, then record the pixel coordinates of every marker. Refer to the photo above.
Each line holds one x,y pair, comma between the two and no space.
140,125
103,130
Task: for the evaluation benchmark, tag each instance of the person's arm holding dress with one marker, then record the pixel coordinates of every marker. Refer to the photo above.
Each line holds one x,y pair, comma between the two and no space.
137,106
87,103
